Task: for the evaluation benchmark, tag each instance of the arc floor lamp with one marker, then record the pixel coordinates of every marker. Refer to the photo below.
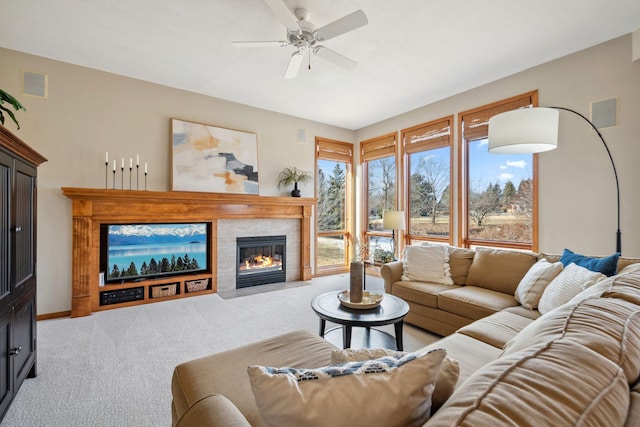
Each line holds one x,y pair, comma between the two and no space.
534,130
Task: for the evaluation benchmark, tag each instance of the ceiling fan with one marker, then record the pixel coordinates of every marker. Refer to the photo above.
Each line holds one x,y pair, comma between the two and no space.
304,36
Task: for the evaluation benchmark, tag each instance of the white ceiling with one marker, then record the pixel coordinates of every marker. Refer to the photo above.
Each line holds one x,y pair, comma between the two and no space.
412,52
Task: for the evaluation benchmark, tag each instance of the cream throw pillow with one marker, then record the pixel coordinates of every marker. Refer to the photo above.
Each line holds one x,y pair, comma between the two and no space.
533,283
385,392
429,263
445,383
570,282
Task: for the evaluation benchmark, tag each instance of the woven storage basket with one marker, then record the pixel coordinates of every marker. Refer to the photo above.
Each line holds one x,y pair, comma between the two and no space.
164,290
197,285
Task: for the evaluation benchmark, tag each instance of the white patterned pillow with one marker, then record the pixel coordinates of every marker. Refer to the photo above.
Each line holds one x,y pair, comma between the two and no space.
428,263
569,283
533,283
349,394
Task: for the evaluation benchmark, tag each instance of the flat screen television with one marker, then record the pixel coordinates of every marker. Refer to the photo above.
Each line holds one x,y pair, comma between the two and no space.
134,252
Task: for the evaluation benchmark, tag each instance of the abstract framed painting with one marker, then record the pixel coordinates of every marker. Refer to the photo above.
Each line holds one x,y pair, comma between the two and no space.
213,159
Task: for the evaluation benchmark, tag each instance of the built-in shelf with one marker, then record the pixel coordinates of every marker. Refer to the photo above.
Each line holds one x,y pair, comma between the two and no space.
93,207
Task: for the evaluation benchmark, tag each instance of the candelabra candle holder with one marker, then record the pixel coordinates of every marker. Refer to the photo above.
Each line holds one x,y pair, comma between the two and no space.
106,174
114,178
122,178
145,181
137,177
130,173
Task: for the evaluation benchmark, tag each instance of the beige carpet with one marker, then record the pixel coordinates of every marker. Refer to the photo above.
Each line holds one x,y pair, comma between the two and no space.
114,368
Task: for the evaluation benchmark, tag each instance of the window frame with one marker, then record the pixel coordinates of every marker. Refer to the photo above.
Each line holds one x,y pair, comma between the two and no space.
338,151
374,149
530,99
409,148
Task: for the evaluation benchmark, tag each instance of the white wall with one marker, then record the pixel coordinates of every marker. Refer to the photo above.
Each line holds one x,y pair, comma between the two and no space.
89,112
577,187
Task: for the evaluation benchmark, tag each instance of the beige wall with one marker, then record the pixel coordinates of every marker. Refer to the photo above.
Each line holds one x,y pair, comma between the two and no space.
577,187
89,112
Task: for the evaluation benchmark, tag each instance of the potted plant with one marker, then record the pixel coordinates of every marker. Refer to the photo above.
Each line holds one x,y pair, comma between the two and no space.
293,175
6,98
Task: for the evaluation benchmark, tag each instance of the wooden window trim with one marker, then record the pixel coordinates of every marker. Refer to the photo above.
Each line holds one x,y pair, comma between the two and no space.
435,129
463,172
338,151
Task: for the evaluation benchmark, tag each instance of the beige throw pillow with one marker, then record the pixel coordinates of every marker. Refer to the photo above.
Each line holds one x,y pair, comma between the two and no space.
445,383
429,263
533,283
385,391
570,282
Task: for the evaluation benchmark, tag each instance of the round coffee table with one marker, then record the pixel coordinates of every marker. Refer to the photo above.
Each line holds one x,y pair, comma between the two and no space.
390,311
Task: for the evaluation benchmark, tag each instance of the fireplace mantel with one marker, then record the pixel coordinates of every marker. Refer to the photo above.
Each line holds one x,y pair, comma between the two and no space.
93,207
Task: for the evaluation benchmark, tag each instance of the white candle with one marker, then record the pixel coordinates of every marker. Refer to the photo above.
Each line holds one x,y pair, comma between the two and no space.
145,168
114,165
130,162
122,163
137,159
106,157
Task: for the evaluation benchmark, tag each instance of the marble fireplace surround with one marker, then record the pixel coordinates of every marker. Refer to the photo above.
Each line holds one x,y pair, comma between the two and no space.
231,216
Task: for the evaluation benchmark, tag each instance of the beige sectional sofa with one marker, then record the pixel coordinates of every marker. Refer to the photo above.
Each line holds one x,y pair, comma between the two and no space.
484,282
576,365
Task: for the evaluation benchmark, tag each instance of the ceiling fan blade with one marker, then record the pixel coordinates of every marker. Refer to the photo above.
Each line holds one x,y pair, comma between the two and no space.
343,25
334,57
280,9
294,64
272,43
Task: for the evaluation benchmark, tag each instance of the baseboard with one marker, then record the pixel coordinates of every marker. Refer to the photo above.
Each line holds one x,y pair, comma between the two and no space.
53,315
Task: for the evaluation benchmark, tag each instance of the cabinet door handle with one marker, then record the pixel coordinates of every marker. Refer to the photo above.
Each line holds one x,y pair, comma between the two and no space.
15,351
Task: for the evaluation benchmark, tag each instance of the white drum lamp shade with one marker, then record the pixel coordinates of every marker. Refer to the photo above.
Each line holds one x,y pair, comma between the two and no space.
393,220
524,131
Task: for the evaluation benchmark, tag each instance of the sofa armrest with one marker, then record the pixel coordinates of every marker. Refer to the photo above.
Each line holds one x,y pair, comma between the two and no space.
213,411
391,272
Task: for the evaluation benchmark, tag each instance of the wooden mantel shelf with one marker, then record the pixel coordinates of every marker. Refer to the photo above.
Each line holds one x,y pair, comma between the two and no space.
94,207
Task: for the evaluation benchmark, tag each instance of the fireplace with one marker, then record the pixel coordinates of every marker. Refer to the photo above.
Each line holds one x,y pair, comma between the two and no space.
260,260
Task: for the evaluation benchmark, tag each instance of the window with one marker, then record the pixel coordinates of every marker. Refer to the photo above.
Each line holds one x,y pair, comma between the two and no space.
378,158
427,153
499,192
334,162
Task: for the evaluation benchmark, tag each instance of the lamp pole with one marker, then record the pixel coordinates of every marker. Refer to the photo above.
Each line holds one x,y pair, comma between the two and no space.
615,173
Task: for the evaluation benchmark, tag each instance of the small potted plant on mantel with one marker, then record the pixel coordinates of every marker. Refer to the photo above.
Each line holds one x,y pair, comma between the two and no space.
6,98
293,175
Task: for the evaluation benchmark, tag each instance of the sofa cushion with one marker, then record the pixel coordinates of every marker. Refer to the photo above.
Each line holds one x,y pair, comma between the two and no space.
196,379
445,383
460,260
634,407
608,326
496,329
420,292
473,302
625,285
427,263
572,280
533,283
555,384
348,394
498,269
524,312
605,265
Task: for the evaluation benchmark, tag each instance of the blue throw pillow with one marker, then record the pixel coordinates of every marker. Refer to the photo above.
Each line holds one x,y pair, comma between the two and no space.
607,265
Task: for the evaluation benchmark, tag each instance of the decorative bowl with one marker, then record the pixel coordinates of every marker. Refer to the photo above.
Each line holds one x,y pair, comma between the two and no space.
369,300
